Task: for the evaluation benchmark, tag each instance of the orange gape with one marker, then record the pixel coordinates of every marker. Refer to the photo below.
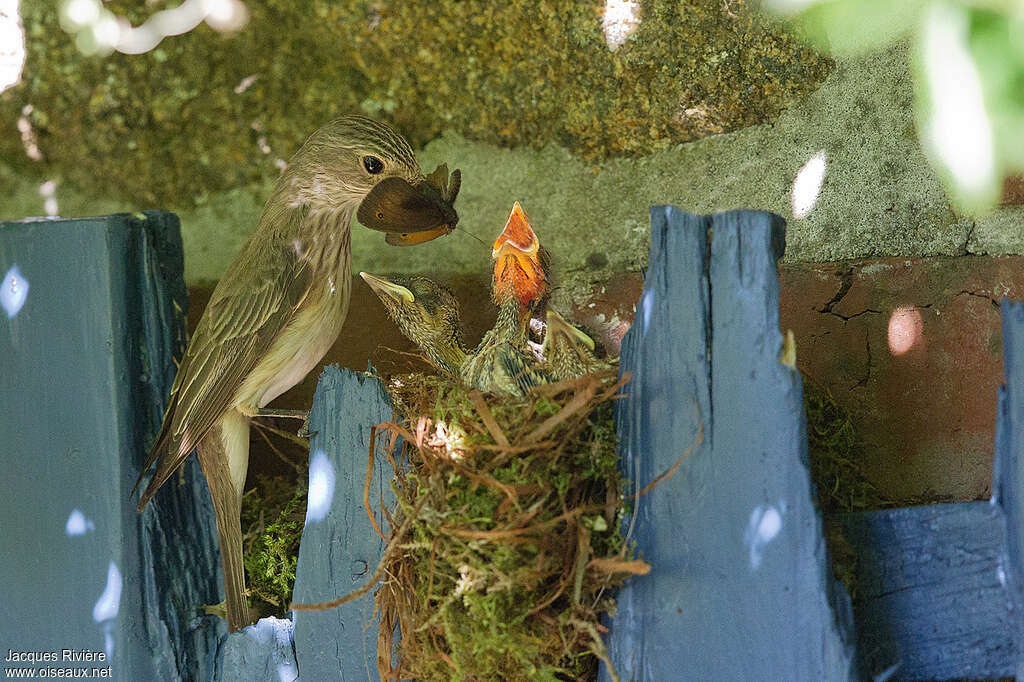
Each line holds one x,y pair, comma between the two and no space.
518,270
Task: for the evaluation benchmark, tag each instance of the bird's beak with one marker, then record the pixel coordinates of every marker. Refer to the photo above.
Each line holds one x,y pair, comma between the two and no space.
559,325
383,287
412,214
516,254
517,233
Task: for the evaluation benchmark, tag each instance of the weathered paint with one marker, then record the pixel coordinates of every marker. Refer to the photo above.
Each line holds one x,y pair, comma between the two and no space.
87,364
741,585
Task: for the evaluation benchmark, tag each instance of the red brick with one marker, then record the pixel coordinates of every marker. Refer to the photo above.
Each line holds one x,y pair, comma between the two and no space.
926,417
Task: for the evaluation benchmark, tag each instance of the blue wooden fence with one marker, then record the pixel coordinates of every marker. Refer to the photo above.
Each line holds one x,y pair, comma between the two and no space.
92,311
340,548
741,584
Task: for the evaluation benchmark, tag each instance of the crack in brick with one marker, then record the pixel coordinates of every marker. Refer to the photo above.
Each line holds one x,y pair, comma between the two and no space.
965,249
845,284
863,381
977,294
844,318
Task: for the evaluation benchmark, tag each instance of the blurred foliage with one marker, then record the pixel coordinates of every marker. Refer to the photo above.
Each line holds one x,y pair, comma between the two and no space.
206,111
969,79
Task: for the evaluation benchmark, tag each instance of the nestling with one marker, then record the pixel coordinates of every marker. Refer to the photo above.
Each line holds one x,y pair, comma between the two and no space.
428,314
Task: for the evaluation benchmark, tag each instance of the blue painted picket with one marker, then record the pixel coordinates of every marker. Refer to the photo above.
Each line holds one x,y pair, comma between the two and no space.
340,549
939,587
91,313
929,602
1008,475
740,586
263,652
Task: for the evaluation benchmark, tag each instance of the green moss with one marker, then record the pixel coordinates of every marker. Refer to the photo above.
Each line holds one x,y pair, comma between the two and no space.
168,127
273,516
495,578
833,448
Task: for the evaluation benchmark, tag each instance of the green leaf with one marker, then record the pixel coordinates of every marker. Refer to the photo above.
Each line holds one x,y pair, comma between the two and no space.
852,27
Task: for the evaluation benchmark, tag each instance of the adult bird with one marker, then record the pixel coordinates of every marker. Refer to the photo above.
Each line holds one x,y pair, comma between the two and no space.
428,314
280,306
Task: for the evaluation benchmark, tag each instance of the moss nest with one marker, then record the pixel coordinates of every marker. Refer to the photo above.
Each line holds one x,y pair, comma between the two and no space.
506,544
833,448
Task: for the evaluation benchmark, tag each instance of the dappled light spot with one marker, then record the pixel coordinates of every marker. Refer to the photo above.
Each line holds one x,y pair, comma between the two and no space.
48,191
647,305
77,524
906,327
97,30
957,128
29,141
12,44
245,83
110,601
764,526
621,20
449,439
807,185
80,13
321,487
286,672
13,291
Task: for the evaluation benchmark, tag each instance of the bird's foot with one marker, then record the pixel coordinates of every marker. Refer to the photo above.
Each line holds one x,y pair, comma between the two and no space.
304,431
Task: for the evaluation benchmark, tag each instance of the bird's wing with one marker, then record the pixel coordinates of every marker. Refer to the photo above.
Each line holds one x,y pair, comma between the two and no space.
523,372
248,310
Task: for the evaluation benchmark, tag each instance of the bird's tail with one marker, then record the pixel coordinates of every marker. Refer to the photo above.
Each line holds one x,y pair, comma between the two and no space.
215,458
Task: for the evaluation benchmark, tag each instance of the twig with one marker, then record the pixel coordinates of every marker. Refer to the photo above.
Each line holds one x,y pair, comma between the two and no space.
670,472
274,449
578,402
636,566
298,440
488,419
508,533
369,481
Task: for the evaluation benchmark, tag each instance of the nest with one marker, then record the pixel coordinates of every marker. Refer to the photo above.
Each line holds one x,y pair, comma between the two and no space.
505,545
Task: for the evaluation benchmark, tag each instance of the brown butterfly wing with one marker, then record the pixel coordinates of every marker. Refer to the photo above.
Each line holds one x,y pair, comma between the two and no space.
454,186
396,206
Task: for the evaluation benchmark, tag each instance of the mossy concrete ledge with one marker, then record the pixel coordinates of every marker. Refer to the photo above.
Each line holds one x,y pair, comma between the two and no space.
878,196
205,112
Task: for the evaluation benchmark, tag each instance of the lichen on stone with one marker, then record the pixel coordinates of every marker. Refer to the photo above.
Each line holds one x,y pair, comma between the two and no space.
203,112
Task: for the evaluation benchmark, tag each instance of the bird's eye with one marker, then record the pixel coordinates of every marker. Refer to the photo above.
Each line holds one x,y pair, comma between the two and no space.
373,165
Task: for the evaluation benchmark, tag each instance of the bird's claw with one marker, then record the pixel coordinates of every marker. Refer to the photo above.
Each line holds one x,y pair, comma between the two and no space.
304,431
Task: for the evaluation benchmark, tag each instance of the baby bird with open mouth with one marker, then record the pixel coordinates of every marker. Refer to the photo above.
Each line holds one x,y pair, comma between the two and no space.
428,314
